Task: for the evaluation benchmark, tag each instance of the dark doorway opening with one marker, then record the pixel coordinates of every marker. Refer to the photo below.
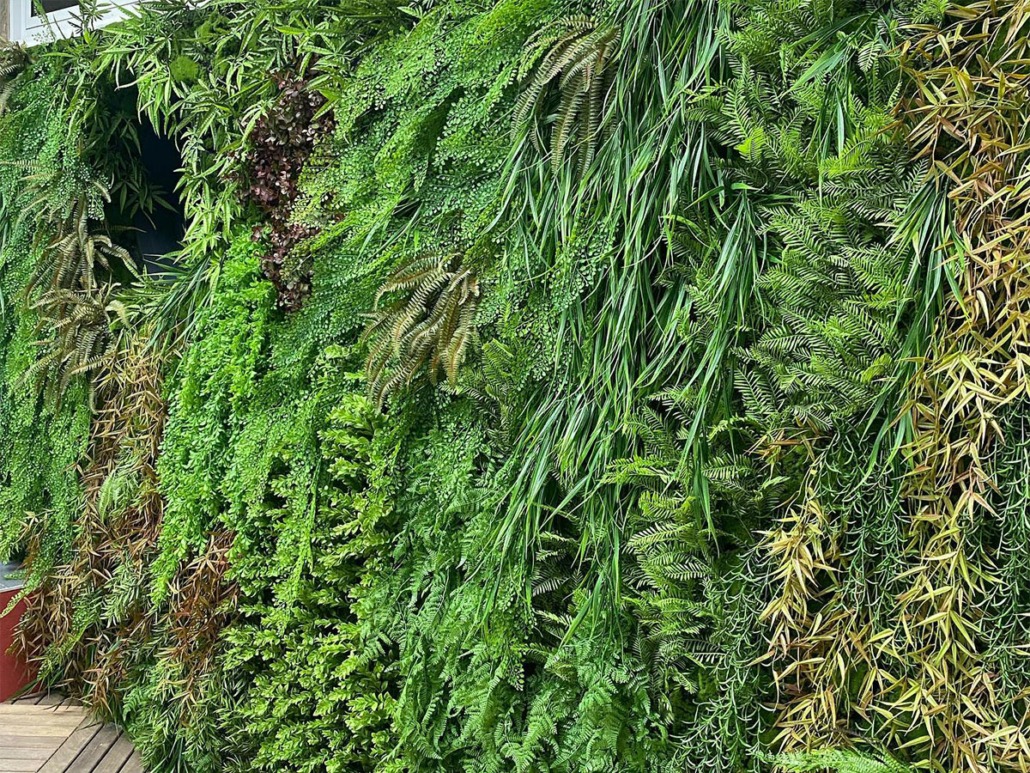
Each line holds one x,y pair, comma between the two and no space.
160,232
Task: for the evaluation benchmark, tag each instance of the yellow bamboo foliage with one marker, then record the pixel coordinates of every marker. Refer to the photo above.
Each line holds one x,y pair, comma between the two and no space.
969,111
805,571
825,651
920,680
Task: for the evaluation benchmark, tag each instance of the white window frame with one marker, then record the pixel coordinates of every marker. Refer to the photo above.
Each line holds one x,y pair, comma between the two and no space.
32,30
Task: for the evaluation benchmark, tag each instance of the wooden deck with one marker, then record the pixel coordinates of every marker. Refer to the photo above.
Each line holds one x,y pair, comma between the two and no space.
45,734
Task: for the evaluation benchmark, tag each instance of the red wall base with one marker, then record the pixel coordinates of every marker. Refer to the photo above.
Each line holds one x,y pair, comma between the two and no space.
15,673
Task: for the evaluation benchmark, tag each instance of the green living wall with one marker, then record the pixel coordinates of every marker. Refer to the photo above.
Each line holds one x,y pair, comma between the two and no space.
538,385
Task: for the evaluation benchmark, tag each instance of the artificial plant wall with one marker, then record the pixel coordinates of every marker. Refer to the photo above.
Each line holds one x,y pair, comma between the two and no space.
634,385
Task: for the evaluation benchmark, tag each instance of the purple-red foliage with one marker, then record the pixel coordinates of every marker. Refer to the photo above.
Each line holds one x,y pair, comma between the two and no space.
280,144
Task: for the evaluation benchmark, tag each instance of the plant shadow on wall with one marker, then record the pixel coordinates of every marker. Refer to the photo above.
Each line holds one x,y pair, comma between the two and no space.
535,386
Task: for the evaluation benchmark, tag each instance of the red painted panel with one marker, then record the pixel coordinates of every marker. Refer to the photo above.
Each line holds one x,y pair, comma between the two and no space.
15,673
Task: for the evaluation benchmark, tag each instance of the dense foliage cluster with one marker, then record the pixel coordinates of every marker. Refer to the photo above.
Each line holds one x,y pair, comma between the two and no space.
280,142
540,385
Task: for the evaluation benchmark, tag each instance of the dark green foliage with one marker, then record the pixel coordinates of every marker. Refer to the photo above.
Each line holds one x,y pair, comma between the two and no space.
40,442
317,677
13,60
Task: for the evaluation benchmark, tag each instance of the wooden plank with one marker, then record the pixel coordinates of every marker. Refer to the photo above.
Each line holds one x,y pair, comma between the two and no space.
54,735
32,739
46,716
54,728
27,741
46,732
61,760
36,756
18,766
42,735
117,757
10,721
92,753
29,700
41,718
39,726
39,754
17,709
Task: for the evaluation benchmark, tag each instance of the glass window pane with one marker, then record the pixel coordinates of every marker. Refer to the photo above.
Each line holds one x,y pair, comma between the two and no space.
49,6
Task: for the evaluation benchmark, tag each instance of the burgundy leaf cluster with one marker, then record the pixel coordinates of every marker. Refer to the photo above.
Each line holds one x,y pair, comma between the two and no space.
280,144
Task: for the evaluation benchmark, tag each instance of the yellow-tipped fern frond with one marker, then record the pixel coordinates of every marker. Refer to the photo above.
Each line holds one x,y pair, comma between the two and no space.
577,69
430,326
